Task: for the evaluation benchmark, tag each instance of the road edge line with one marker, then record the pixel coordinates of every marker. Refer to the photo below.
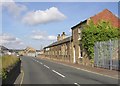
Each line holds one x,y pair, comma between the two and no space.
22,77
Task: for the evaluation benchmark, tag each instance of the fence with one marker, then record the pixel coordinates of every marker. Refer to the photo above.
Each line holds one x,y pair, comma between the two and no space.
106,54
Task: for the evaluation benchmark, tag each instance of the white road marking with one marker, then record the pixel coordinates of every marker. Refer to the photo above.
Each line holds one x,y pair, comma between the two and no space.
40,62
86,70
22,77
34,59
58,73
46,66
77,84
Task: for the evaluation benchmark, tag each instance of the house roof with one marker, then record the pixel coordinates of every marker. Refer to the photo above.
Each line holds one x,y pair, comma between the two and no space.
3,48
30,49
107,16
79,24
39,50
103,15
68,39
16,50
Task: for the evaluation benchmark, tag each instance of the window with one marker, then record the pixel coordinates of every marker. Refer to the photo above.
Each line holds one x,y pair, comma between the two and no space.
79,31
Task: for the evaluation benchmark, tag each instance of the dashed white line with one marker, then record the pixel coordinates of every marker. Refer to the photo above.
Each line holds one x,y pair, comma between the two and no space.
22,77
40,62
77,84
34,59
87,70
58,73
46,66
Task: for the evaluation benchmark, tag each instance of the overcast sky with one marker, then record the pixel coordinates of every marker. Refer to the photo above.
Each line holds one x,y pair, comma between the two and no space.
37,24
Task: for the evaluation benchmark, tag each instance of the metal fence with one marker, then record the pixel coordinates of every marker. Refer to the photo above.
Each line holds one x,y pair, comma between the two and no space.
106,54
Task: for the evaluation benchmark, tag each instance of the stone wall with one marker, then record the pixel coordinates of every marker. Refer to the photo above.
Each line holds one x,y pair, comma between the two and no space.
60,52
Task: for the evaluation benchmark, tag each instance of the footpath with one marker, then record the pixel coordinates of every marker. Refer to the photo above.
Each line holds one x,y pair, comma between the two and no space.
100,71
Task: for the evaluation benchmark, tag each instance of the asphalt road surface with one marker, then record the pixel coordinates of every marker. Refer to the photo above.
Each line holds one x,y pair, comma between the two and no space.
39,71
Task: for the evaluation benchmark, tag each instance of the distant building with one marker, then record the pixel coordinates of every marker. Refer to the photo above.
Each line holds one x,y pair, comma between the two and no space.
4,51
70,48
29,51
40,53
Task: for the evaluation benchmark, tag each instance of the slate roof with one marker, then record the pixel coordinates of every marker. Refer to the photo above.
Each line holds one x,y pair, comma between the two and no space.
68,39
3,48
79,24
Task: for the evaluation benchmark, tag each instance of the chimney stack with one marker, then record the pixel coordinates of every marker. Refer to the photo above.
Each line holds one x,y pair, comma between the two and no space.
63,36
58,37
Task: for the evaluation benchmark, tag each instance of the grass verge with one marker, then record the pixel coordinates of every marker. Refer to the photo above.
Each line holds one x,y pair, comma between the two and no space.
7,62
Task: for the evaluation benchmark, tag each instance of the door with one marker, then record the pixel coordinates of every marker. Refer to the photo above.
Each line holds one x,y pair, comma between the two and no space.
74,60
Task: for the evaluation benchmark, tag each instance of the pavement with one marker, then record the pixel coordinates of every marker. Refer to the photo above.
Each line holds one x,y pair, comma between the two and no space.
43,71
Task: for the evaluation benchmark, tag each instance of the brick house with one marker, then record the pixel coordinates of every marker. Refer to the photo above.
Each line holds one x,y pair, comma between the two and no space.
70,49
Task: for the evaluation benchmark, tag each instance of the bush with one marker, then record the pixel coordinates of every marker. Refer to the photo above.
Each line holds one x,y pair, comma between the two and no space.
92,33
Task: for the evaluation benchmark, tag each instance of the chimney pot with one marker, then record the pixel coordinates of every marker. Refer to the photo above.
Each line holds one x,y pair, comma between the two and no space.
58,37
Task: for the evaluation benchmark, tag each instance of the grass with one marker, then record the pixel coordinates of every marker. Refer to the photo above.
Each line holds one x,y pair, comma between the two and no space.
6,63
0,66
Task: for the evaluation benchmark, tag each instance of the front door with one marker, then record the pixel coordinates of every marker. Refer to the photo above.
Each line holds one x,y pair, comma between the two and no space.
74,59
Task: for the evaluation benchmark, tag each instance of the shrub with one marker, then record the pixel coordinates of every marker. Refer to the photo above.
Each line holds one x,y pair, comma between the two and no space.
92,33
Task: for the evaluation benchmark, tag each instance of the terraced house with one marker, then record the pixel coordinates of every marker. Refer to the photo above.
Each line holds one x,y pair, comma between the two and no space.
70,48
61,49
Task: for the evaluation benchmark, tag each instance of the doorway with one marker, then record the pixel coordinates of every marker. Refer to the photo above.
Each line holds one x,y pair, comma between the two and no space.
74,59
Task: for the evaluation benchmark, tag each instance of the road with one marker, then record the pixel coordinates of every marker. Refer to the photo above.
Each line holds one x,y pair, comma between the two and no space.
39,71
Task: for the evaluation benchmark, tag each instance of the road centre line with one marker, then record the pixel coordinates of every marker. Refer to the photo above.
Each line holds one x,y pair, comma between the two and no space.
21,82
52,70
77,84
58,73
46,66
40,62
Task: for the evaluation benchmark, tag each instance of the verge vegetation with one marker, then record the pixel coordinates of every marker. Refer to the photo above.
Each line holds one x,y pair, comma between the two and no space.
8,62
92,33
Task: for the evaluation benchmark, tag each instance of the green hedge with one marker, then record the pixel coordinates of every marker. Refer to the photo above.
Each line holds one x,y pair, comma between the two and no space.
92,33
